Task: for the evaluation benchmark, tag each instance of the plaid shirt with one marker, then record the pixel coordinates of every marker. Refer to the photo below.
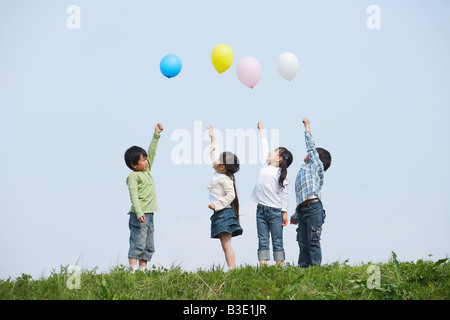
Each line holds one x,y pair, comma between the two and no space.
310,177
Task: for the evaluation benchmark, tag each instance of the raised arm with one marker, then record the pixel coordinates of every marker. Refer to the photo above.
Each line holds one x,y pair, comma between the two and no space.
153,144
310,144
264,147
213,153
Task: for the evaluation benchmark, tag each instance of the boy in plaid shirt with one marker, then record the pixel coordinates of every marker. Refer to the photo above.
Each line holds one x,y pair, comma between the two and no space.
309,214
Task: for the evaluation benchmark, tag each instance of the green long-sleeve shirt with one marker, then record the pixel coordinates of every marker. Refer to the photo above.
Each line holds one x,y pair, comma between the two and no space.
141,185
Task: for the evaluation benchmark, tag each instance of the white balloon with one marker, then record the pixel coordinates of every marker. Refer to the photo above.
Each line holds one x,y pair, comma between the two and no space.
287,65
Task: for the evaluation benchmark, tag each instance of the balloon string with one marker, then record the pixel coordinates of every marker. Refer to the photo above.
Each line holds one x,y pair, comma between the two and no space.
164,104
255,104
214,103
296,97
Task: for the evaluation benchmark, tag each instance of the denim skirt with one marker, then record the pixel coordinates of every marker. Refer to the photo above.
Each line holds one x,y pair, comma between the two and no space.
225,221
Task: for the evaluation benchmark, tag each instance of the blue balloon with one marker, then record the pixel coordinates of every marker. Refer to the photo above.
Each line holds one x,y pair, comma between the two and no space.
170,65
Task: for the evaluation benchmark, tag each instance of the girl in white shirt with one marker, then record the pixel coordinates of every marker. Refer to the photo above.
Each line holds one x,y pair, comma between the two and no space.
223,199
270,193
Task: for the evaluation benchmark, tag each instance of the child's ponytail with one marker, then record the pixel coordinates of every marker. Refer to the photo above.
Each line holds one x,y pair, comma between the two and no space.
235,203
231,163
285,162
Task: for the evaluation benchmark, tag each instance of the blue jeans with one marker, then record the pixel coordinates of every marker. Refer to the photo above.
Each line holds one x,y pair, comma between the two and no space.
269,223
142,245
310,220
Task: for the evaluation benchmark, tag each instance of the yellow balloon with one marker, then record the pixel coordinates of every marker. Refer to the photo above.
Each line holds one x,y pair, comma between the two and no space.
222,57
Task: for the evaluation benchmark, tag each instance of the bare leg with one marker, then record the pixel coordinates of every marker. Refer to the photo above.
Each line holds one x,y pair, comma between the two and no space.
280,263
133,264
142,264
225,240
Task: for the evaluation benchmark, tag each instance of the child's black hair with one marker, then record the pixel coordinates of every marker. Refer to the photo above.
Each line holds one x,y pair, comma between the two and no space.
132,156
286,160
231,163
325,157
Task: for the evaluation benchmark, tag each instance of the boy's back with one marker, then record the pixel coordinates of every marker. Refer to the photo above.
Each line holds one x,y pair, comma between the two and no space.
309,214
309,180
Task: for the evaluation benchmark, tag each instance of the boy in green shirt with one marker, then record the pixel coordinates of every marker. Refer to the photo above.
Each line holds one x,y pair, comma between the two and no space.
143,202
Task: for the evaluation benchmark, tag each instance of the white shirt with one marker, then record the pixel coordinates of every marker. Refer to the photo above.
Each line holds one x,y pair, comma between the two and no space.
267,191
221,187
216,184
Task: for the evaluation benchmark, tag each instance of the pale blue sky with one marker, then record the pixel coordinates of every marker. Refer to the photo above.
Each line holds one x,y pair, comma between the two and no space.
72,101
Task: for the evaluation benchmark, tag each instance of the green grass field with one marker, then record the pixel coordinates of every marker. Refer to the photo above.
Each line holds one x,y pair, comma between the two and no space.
394,280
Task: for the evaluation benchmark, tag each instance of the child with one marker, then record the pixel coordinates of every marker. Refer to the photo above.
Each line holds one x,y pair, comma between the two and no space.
309,213
270,192
224,199
143,199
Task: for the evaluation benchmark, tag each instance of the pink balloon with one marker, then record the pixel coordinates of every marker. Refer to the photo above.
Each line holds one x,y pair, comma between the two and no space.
248,71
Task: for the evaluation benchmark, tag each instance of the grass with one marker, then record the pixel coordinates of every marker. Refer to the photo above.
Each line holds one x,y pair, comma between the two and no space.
420,280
